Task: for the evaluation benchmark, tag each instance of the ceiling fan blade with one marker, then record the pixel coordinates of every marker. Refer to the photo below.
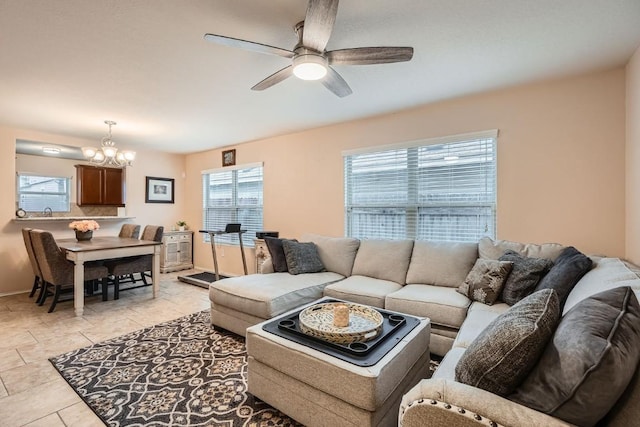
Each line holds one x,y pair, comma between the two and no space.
274,78
336,84
318,23
369,55
252,46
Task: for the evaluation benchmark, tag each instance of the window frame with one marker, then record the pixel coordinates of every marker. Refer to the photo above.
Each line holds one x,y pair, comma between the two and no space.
408,204
235,207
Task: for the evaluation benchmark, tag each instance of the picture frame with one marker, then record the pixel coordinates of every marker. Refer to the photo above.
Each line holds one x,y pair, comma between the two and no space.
229,157
159,190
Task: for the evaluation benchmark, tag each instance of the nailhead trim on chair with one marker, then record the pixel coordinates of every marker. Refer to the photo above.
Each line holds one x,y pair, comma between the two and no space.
460,410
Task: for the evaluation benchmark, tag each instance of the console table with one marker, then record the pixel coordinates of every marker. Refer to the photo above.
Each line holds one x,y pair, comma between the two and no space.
177,251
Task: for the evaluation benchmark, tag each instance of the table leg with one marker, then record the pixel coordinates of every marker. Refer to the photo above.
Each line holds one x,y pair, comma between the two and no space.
155,271
244,258
78,287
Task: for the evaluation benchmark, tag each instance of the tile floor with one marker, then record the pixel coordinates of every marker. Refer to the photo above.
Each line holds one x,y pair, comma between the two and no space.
32,393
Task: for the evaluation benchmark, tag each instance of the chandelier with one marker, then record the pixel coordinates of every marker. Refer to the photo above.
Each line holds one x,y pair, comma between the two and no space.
108,154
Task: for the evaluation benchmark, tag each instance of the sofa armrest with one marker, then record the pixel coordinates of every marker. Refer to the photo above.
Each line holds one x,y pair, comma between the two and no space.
267,266
447,402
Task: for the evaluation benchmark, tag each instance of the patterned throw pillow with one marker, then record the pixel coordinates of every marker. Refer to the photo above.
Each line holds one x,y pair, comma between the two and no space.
302,257
484,281
524,277
502,356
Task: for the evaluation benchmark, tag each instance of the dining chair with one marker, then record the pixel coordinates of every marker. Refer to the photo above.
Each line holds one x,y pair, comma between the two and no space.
123,267
37,281
130,230
56,270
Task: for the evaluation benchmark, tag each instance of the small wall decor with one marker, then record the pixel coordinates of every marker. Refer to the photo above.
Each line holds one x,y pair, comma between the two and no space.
229,157
159,190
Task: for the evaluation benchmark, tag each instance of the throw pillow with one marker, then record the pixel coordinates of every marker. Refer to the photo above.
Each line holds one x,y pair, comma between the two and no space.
302,257
500,358
524,276
274,245
590,360
569,268
485,280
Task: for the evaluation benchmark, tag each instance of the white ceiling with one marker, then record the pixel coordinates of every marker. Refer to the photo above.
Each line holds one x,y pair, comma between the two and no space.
68,65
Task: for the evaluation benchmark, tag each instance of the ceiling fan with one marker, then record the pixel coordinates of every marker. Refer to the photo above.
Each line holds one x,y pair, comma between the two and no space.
310,60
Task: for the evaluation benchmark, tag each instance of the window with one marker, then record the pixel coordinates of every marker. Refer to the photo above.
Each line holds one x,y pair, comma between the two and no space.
38,192
233,195
441,190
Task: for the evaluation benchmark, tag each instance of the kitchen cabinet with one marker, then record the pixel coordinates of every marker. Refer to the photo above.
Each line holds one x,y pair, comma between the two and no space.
101,186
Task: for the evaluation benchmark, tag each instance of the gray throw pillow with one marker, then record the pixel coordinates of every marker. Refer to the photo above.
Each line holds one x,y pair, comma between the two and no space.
569,268
276,251
589,362
302,257
525,275
502,356
485,280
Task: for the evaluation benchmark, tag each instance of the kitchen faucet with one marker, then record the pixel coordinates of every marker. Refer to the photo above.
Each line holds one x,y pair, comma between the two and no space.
47,211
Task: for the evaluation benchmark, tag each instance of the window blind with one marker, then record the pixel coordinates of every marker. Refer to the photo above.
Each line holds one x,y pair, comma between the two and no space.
37,192
233,196
424,191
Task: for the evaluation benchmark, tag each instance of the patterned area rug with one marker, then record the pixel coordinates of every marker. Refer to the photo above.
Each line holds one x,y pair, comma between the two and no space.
178,373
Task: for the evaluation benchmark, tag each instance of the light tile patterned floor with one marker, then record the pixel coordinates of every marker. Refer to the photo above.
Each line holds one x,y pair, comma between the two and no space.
32,393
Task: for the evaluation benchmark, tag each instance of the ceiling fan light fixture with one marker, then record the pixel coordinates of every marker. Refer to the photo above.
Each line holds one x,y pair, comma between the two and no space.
309,67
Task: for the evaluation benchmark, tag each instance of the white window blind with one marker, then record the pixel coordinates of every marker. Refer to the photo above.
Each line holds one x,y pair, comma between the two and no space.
38,192
233,195
423,191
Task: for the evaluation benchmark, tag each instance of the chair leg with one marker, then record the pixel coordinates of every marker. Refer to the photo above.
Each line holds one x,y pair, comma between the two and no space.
133,278
43,293
116,288
144,278
105,288
56,295
36,285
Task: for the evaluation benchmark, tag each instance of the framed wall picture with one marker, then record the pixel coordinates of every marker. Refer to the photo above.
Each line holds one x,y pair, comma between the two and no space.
228,157
159,190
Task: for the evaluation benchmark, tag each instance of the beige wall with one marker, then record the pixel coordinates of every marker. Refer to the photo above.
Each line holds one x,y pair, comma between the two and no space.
561,164
633,159
16,273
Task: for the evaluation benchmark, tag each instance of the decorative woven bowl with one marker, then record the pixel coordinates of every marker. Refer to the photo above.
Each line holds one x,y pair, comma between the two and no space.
365,323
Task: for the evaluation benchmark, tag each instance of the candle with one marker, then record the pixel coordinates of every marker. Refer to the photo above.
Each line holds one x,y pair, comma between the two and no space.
341,316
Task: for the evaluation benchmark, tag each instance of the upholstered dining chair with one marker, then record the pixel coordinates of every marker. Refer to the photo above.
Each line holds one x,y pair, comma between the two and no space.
123,267
56,270
130,230
37,281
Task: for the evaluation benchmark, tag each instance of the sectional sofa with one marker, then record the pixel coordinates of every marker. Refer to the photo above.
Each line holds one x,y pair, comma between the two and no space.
421,278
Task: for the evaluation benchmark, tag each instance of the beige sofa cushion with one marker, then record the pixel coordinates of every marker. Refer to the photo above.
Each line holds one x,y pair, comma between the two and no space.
383,259
444,306
478,318
490,249
337,253
441,263
267,295
362,290
607,273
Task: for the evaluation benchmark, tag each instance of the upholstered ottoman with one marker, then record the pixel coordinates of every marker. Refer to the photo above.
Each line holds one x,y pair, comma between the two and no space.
318,389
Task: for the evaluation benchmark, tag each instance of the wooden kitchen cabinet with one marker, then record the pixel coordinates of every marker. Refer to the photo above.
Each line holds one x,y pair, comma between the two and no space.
101,186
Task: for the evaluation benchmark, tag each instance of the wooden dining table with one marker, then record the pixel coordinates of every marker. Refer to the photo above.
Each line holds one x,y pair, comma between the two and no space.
103,248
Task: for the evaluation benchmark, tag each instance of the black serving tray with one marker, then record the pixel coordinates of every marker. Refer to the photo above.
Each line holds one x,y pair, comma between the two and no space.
395,326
